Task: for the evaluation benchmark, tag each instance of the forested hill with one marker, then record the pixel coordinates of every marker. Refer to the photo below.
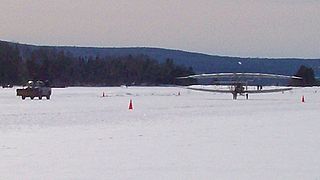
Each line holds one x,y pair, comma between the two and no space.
201,63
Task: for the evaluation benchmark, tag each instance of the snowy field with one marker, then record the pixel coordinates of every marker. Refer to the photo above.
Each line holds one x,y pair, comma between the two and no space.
79,134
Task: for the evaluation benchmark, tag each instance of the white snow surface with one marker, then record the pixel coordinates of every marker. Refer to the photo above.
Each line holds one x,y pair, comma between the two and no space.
78,134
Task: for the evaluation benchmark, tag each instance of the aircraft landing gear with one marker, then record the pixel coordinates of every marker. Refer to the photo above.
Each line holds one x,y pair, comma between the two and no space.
234,96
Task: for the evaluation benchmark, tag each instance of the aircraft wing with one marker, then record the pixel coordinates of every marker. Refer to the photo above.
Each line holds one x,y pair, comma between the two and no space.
239,75
267,90
211,90
245,91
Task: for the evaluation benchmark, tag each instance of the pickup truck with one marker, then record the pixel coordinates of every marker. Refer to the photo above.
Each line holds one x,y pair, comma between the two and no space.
35,89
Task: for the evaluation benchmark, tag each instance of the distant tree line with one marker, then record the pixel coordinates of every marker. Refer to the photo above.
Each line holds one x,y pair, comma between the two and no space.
62,68
10,64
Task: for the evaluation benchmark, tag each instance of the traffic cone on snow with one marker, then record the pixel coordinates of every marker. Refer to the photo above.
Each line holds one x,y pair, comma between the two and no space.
130,105
302,99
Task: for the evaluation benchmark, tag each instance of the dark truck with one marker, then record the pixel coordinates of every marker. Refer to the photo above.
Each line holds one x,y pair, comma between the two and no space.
35,89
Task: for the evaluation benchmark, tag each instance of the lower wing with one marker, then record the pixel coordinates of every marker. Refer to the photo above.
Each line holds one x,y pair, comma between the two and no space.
267,90
211,90
245,91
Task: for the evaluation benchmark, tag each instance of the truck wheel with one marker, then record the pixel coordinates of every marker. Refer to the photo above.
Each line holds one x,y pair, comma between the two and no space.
40,97
23,97
31,97
48,97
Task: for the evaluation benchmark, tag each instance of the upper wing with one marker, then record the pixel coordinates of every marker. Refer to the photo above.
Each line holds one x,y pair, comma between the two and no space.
239,75
267,90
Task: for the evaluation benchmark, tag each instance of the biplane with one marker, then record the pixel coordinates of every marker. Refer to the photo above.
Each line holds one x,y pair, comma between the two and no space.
239,83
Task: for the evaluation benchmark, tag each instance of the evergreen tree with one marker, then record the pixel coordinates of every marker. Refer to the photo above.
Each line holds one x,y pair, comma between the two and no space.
307,75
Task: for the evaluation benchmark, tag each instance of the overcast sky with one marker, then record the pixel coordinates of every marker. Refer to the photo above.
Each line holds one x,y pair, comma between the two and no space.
255,28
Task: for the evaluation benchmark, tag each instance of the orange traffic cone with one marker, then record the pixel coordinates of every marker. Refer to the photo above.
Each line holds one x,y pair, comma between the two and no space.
130,105
302,99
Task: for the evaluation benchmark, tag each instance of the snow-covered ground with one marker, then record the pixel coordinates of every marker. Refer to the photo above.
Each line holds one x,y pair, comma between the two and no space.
198,135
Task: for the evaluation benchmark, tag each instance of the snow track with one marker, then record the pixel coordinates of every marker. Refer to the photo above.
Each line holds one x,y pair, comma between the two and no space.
79,134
